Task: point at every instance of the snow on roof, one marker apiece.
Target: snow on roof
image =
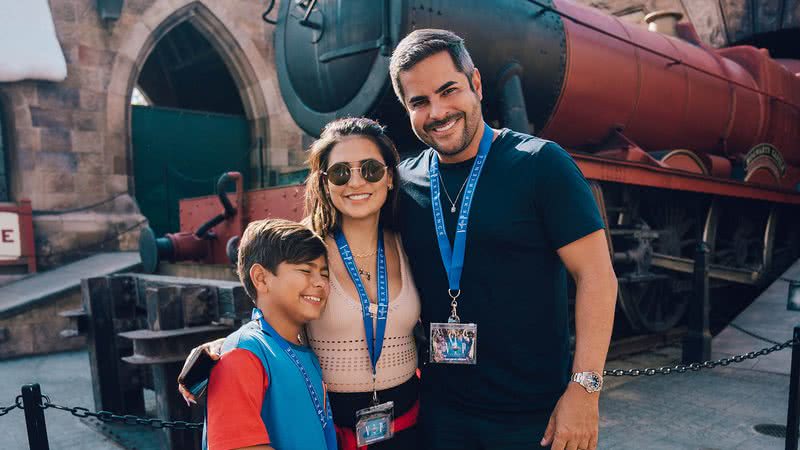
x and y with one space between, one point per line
29 48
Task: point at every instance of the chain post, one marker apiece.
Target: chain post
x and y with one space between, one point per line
697 343
34 417
793 414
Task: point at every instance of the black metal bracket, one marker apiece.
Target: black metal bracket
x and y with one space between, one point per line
512 98
34 417
793 413
697 344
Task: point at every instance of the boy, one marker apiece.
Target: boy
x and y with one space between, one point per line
266 391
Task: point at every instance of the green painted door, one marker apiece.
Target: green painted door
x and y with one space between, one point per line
179 154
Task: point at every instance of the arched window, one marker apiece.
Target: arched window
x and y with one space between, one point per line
188 124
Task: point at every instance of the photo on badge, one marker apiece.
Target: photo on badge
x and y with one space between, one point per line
453 343
374 424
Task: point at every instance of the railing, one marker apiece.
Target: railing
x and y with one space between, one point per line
33 403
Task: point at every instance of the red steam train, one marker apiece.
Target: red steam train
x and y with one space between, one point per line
681 142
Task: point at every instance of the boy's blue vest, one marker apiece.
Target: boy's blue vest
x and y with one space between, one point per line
287 412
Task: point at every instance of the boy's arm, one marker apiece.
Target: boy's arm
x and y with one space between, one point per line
235 395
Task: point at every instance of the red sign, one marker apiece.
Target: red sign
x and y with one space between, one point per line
10 247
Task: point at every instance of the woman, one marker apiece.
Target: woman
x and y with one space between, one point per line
350 201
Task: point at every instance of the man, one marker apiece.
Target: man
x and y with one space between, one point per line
489 258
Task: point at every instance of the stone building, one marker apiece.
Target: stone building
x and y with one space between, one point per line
69 145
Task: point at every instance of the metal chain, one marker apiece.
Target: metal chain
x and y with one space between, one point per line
7 409
694 367
106 416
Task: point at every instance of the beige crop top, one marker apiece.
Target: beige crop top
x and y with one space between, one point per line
339 340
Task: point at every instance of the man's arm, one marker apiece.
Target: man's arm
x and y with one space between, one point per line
589 263
575 420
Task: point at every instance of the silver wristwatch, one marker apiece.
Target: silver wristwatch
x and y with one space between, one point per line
591 381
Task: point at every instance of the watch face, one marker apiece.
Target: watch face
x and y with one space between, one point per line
593 382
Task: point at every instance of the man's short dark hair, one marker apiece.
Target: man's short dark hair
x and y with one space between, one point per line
270 242
420 44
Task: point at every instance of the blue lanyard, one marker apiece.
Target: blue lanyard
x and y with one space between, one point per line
323 412
454 259
383 296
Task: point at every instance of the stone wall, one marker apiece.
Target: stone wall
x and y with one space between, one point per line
718 23
69 142
38 330
634 10
704 15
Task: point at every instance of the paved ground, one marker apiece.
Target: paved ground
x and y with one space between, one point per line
706 410
66 379
768 317
710 409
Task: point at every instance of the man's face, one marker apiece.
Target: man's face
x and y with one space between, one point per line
445 113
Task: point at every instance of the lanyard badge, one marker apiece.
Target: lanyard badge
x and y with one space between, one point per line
455 342
322 407
373 424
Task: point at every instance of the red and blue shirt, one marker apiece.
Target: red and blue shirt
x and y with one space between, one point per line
256 395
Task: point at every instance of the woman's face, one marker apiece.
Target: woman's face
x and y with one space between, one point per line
358 198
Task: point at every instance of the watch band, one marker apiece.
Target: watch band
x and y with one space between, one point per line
591 381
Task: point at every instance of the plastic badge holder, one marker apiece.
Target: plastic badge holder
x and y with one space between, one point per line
454 343
375 424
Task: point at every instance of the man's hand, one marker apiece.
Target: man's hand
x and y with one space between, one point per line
213 349
575 421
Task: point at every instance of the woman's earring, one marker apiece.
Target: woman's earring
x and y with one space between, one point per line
390 187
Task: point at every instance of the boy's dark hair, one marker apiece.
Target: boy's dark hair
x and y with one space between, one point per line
422 43
320 214
270 242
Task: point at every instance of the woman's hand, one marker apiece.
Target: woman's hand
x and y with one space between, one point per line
213 349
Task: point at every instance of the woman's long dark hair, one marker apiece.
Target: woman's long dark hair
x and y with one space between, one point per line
320 214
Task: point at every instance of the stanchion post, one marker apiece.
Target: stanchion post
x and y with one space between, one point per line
793 414
697 344
34 417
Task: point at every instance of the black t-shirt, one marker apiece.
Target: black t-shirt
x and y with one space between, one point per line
531 199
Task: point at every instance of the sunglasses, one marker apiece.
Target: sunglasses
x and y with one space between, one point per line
371 171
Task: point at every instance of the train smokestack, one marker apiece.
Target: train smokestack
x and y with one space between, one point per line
663 21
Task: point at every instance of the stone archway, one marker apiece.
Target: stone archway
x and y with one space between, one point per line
254 77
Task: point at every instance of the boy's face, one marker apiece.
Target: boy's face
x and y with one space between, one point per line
299 291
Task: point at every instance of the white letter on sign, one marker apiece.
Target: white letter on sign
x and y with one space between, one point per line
10 245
